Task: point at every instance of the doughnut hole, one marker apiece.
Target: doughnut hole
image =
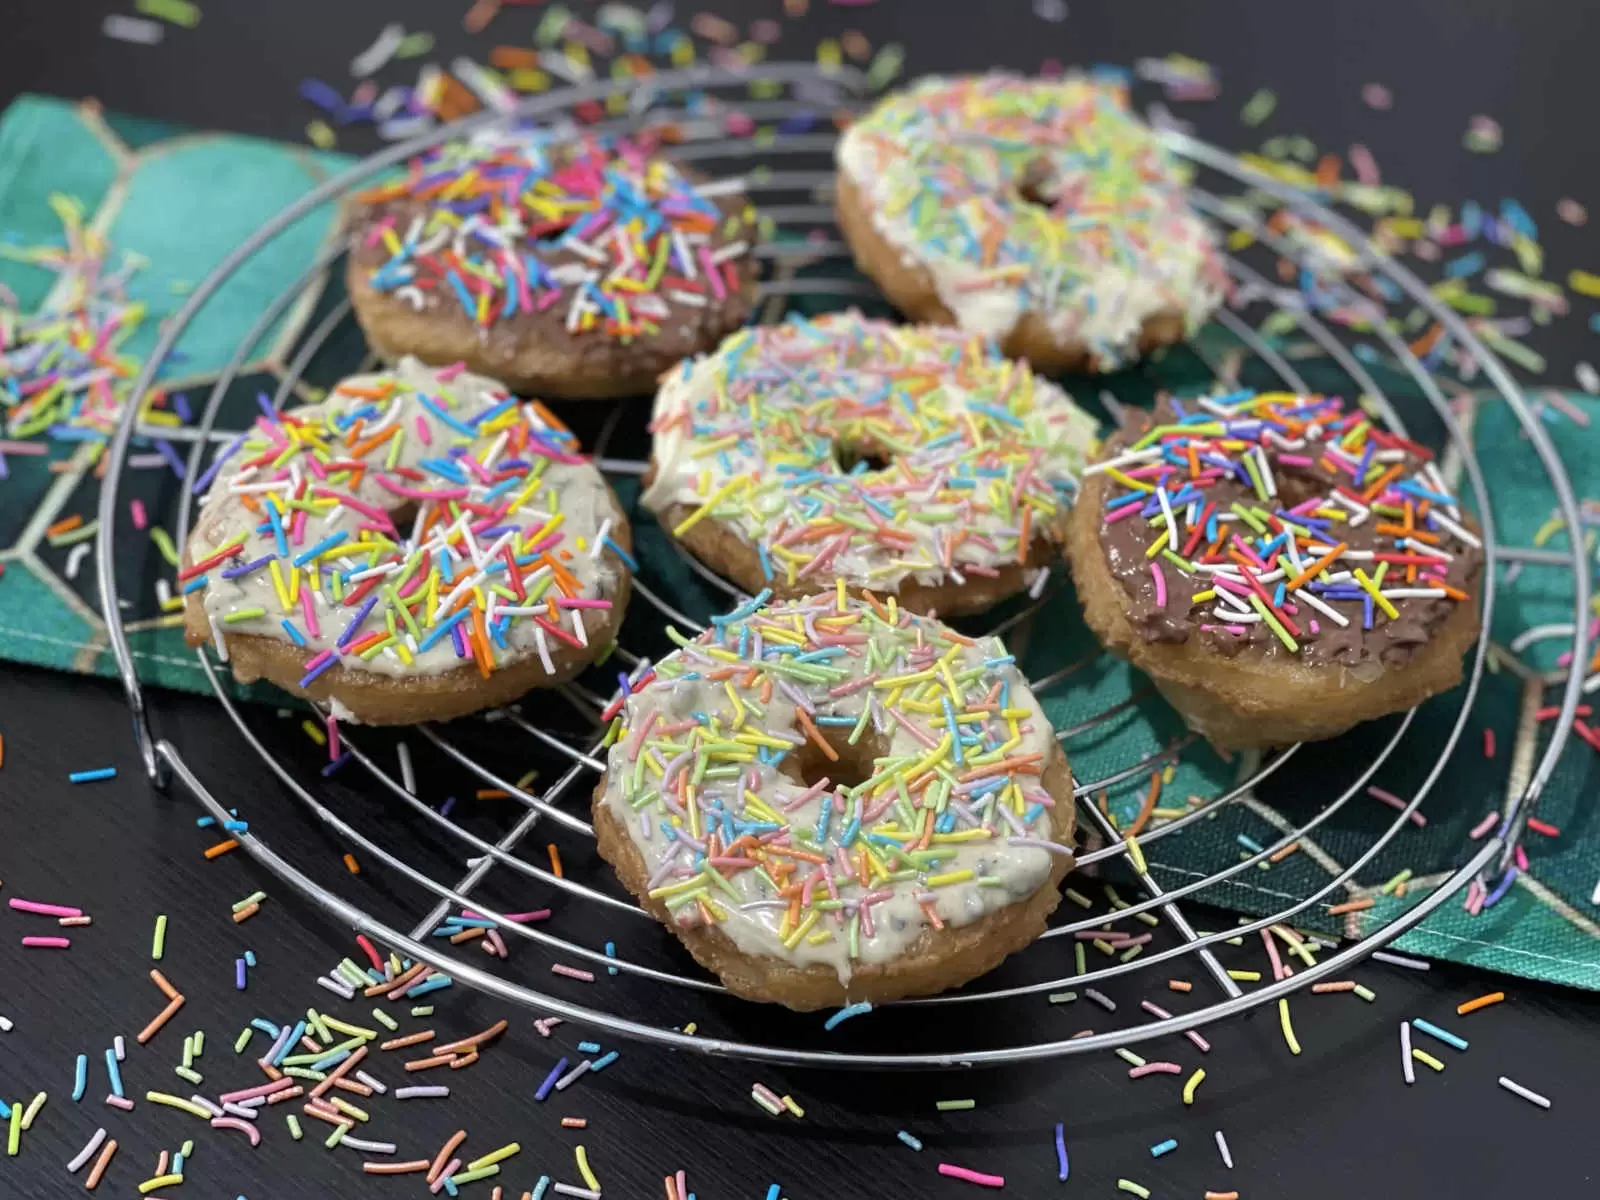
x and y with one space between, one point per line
1039 184
808 762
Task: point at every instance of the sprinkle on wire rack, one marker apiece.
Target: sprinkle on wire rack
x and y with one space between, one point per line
806 261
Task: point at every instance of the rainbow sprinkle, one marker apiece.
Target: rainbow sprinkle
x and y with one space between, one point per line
732 774
508 549
1290 523
775 435
1039 197
603 234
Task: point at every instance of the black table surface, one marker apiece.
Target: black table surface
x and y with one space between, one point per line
1336 1121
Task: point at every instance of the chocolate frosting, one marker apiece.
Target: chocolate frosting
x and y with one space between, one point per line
653 192
1310 471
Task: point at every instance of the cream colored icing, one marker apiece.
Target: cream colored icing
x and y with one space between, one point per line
719 723
1111 241
978 446
550 508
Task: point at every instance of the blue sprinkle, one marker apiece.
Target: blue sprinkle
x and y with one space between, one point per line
604 1061
1166 1147
1063 1168
845 1013
905 1137
1432 1030
81 1078
550 1080
93 776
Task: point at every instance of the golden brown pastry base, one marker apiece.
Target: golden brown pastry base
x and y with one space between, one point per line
725 552
586 366
1251 701
936 961
911 288
375 699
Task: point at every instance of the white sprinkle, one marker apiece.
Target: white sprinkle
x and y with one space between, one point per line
1406 1068
367 1147
1222 1149
132 29
566 1189
1101 999
571 1076
1400 960
375 1084
88 1151
239 1110
216 640
1595 899
1512 1085
408 773
1588 378
424 1092
6 1027
210 1106
118 1046
544 651
337 987
376 56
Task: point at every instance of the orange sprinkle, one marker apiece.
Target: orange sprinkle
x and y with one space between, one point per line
1315 568
1341 985
1179 985
222 848
574 1122
410 1039
161 1018
399 1168
161 981
350 864
815 735
1481 1002
1350 906
1148 806
245 913
1222 1196
100 1165
493 794
423 1064
65 525
555 860
1279 855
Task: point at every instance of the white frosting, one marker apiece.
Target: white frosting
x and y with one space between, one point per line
670 805
978 446
469 532
940 166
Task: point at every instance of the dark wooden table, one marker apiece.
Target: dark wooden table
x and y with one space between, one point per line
1334 1122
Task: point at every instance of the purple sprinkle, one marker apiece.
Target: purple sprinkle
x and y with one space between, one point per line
332 660
180 404
239 974
349 633
266 407
449 803
336 764
550 1080
204 481
171 455
235 572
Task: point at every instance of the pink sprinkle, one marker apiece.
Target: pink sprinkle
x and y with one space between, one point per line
333 734
47 943
1375 95
1483 826
1366 167
450 1168
571 972
1156 1068
1488 743
121 1102
955 1172
546 1024
310 613
140 518
423 431
1161 585
1521 857
446 374
1154 1009
1272 954
1543 827
1194 1036
44 910
1393 801
243 1127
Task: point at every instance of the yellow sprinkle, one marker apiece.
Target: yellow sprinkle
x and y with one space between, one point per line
950 877
1378 597
1584 283
1245 976
1422 1056
1135 855
582 1156
176 1102
499 1155
1288 1029
150 1185
1193 1082
717 497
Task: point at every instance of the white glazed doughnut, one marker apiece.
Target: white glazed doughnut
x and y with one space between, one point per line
419 545
831 800
1037 212
763 462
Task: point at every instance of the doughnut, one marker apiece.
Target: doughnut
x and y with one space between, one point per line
831 800
418 546
913 460
1281 566
579 268
1040 213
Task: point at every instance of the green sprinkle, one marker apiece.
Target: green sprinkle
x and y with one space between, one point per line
422 1010
1259 107
1128 1185
294 1126
243 614
193 1077
158 945
384 1019
1129 1056
1365 993
243 1039
1062 997
955 1105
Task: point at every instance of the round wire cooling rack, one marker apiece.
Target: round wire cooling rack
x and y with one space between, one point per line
377 812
